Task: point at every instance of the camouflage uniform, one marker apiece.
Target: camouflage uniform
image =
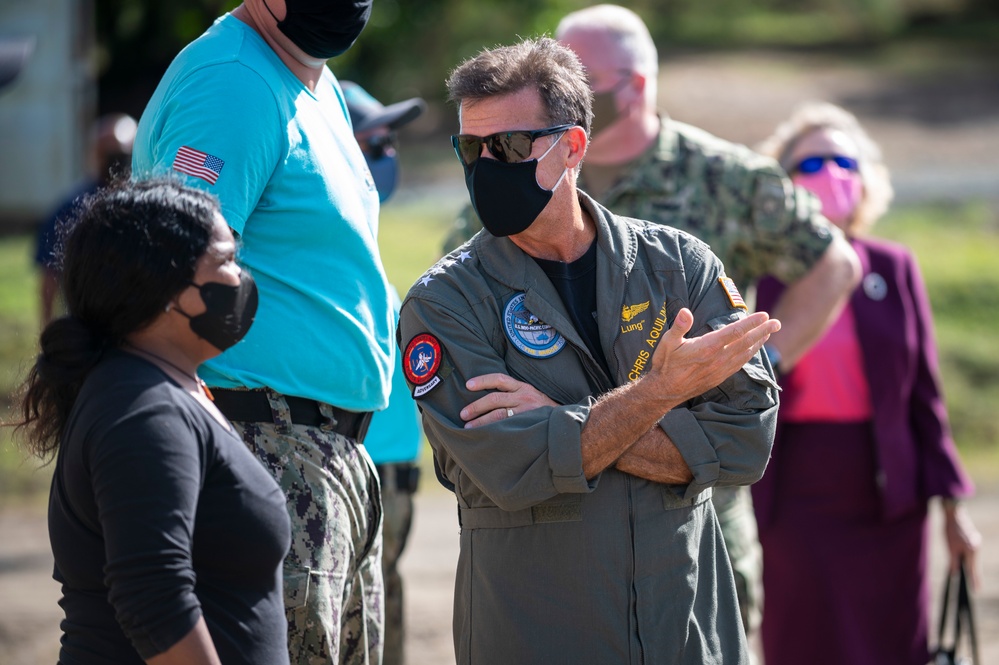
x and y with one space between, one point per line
397 519
744 206
332 492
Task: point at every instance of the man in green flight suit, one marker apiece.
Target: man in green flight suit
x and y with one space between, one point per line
581 428
642 164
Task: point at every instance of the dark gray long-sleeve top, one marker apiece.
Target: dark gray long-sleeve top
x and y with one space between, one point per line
158 516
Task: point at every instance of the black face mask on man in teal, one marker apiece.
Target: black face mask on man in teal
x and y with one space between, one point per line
323 28
507 197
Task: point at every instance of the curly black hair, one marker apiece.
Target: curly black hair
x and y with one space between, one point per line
133 247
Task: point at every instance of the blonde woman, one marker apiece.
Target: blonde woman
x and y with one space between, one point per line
863 442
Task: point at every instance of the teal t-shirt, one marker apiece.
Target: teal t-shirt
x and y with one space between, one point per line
235 121
394 434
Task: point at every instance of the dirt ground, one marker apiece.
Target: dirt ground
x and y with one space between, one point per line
29 615
939 128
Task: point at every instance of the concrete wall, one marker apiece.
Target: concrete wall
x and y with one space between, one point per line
46 113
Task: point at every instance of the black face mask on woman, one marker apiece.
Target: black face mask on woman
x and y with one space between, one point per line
323 28
507 197
229 311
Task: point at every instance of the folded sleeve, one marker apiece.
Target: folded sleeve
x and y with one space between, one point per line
724 435
517 462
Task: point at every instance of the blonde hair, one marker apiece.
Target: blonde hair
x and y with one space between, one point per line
814 116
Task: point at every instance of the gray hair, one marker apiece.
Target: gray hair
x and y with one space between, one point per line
624 27
813 116
541 63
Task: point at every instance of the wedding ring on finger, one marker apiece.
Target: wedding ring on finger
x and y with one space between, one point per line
509 413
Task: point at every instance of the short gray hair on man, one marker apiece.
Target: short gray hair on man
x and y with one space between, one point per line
541 63
628 31
814 116
623 26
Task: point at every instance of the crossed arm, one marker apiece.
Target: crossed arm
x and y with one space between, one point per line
622 427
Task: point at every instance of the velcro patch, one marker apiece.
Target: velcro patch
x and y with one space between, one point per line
421 363
734 297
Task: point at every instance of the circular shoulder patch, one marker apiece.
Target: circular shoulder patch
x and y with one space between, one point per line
529 334
422 359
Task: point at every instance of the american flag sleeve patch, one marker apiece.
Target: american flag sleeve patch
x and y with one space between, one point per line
198 164
732 292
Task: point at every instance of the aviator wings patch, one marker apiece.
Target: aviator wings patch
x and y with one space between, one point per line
628 312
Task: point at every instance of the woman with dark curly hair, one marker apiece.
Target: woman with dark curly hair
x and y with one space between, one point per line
863 441
168 535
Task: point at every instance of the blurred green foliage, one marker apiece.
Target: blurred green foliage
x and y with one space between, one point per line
957 248
409 46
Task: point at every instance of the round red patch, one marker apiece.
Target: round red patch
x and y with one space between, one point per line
422 359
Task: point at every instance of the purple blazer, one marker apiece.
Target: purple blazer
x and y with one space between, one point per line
916 455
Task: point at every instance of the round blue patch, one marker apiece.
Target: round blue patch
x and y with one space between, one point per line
532 336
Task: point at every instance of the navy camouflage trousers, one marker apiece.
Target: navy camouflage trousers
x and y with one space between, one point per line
333 590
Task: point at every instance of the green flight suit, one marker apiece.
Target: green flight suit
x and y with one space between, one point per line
744 206
555 568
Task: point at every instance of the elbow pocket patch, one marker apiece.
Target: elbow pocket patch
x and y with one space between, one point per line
758 373
755 368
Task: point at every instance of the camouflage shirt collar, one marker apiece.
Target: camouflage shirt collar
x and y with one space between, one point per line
663 150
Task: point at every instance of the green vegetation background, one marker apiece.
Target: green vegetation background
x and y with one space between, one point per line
956 245
137 39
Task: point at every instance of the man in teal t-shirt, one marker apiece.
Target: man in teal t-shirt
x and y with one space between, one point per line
250 112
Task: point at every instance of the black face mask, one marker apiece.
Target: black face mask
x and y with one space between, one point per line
507 197
229 311
324 28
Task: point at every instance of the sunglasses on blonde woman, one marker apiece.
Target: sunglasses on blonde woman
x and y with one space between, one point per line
814 163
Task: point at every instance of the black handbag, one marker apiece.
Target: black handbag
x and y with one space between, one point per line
964 619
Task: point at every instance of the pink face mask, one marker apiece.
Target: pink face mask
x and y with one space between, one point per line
838 189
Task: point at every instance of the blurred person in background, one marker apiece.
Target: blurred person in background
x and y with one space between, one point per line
376 129
167 533
863 441
394 437
641 163
114 135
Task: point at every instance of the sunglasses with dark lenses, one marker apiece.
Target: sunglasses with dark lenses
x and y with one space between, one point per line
814 163
509 147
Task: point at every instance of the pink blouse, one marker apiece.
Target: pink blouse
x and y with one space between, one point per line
829 381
